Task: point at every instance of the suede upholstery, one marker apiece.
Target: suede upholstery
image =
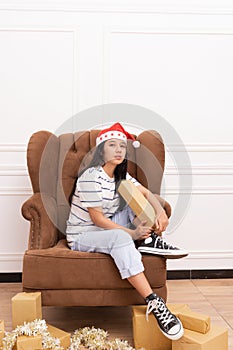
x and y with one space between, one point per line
65 277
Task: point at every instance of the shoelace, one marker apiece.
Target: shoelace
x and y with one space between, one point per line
162 243
163 314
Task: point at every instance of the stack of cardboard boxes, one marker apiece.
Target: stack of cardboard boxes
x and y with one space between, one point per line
199 333
26 307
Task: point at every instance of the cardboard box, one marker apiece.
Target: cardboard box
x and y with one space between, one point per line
63 336
137 202
147 334
2 331
2 325
26 307
194 321
28 343
215 339
177 309
2 334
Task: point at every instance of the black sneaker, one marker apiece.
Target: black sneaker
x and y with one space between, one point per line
168 323
156 245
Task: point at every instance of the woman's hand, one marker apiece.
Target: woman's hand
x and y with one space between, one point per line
142 231
161 222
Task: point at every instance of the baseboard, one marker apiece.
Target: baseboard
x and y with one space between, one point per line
10 277
16 277
198 274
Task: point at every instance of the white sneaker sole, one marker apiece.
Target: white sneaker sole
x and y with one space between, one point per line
172 254
175 336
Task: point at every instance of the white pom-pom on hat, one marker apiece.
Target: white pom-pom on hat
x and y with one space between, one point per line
136 144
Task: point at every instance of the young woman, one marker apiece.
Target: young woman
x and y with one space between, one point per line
100 221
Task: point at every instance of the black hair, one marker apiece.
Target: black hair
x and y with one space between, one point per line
97 160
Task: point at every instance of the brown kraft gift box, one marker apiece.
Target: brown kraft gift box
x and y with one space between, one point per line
63 336
137 202
147 334
2 331
28 343
26 307
194 321
215 339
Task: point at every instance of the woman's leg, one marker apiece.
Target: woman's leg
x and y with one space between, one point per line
141 284
153 244
169 324
124 217
127 258
117 243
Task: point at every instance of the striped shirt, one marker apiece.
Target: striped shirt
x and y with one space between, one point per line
94 189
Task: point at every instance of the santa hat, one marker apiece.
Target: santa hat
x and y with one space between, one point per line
116 131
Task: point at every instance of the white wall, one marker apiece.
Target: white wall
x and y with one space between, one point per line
61 57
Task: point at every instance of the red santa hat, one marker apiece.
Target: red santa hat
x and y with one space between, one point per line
116 131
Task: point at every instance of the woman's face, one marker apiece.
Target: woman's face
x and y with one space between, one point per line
114 151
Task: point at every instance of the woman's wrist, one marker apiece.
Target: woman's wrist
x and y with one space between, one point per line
160 211
130 232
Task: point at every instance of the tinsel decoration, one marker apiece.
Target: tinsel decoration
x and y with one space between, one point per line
88 337
36 327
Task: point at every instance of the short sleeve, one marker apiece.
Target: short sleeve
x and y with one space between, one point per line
89 189
134 181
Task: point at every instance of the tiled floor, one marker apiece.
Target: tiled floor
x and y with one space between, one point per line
212 297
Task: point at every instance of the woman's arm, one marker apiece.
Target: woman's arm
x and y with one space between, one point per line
97 217
161 220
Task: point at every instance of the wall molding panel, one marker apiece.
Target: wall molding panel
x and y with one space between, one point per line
181 7
206 148
15 191
219 175
200 170
11 257
11 262
198 191
20 170
196 260
58 47
27 191
14 147
63 57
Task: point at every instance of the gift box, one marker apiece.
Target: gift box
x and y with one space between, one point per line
215 339
26 307
137 202
63 336
28 343
2 331
147 334
194 321
177 309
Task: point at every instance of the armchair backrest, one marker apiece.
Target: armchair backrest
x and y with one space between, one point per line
54 162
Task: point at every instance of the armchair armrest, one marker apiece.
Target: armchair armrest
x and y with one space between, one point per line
166 206
43 231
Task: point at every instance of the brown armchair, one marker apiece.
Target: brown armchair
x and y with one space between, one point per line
71 278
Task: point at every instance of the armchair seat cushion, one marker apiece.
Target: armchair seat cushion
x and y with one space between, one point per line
61 268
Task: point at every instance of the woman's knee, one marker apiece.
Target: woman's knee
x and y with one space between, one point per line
121 238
